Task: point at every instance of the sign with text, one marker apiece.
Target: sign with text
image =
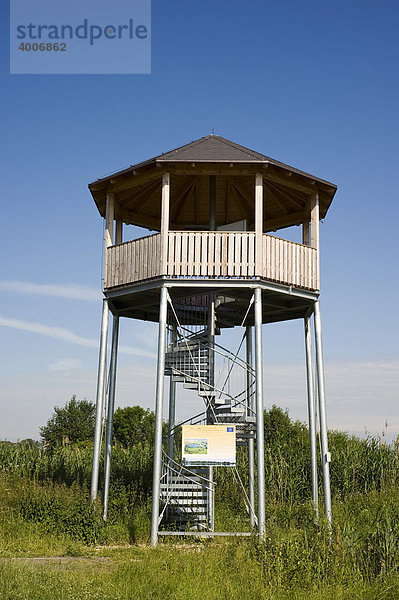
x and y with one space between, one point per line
209 445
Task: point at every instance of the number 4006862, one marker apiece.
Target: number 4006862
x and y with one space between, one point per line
42 47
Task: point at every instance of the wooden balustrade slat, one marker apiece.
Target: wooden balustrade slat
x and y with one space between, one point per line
244 256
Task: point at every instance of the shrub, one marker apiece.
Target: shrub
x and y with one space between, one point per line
61 509
72 423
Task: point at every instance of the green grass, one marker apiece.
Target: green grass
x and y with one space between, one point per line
45 512
225 570
297 560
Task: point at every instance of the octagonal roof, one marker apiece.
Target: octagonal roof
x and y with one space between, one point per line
137 189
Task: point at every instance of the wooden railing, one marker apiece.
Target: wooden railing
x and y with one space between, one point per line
288 262
133 261
212 254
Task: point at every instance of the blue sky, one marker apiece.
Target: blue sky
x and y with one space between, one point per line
313 84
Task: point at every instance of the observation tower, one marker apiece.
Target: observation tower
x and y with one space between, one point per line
212 263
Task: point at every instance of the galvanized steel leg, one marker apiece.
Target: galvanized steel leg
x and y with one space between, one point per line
158 417
325 458
311 414
110 413
102 367
260 443
172 406
211 500
171 421
251 441
211 343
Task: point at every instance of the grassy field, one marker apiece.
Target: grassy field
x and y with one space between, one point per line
52 545
212 572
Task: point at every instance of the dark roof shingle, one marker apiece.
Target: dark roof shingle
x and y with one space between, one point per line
212 148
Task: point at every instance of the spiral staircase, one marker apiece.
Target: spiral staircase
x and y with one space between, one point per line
192 359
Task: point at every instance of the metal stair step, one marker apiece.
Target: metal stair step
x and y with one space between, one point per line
226 409
226 420
195 373
192 483
181 488
187 502
190 519
183 492
218 402
244 435
190 479
239 417
188 509
194 516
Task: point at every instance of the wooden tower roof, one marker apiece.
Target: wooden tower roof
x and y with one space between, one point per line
137 189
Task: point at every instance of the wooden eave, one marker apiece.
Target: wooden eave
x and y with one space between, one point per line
137 192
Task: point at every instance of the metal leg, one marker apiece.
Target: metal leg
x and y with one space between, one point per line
171 421
172 406
110 413
260 444
211 500
102 366
211 342
158 417
251 441
325 459
311 414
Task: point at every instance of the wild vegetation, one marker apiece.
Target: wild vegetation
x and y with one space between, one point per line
45 511
72 423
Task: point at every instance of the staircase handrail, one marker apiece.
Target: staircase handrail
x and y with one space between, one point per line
211 387
166 461
218 349
180 423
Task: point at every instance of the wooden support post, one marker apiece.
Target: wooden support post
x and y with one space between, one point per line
314 231
109 231
118 232
212 203
109 220
306 231
258 224
165 222
314 218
